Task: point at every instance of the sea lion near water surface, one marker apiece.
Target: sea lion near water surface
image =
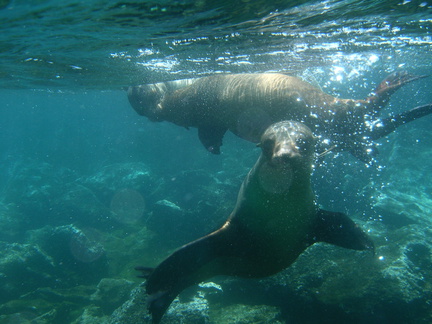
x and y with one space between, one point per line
275 219
246 104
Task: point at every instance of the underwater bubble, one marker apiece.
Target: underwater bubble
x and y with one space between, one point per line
127 206
86 247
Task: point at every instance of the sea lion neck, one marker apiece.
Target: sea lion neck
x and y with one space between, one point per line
280 180
286 158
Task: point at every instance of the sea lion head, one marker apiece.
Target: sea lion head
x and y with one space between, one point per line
288 142
287 156
146 99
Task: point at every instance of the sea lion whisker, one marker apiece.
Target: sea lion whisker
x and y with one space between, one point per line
327 151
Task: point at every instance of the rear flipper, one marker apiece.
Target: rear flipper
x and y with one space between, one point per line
338 229
386 126
183 268
365 152
389 86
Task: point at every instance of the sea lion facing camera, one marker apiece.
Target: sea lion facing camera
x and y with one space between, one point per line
246 104
275 219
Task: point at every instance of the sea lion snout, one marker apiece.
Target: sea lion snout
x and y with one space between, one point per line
284 153
146 100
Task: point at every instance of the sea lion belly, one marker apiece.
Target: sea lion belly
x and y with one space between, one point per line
283 212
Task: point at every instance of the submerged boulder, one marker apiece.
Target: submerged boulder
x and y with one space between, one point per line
92 314
29 317
244 314
191 306
33 188
79 256
111 294
11 227
195 203
79 205
115 177
42 194
24 268
134 310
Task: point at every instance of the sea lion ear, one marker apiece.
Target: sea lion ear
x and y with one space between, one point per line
338 229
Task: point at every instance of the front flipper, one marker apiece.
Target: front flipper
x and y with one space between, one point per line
386 126
211 137
389 86
338 229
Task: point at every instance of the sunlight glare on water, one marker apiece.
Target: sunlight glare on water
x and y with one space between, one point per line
117 44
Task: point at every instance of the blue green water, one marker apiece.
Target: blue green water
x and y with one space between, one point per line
89 189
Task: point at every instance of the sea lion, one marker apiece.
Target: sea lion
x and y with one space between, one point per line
275 219
246 104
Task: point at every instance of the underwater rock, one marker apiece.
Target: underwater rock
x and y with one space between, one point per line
169 205
32 189
42 195
188 188
79 205
23 268
111 294
92 314
195 204
397 208
11 228
405 191
29 317
79 256
41 302
167 217
134 310
191 310
176 226
116 177
195 310
245 314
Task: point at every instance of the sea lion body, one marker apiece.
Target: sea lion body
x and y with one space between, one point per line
275 219
246 104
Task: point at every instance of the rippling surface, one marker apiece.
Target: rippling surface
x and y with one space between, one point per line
97 44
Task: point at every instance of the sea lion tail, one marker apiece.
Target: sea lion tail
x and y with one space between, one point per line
383 127
365 152
387 87
158 303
